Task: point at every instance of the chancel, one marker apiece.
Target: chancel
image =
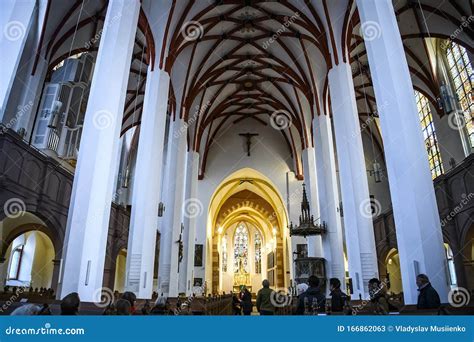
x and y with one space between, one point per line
155 152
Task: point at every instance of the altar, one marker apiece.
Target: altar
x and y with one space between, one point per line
241 278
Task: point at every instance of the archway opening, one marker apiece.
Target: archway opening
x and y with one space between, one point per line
394 275
247 234
120 269
28 252
29 261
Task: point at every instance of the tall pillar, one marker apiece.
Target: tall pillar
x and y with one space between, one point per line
417 222
55 277
192 210
89 210
359 231
146 186
174 194
315 244
329 197
16 18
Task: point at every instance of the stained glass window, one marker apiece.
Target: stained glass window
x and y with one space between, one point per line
450 260
258 253
460 69
429 134
241 245
224 254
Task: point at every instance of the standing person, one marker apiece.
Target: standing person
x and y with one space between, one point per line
378 297
236 305
338 298
428 297
132 299
70 304
313 296
246 301
264 302
122 307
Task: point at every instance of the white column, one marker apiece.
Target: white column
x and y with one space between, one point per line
360 242
315 244
16 18
174 193
192 210
419 236
89 211
329 197
146 186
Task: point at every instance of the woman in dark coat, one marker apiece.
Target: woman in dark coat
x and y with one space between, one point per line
236 305
246 301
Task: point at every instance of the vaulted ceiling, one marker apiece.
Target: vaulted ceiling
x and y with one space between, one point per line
261 61
267 61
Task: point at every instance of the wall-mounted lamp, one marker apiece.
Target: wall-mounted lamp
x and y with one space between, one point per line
161 209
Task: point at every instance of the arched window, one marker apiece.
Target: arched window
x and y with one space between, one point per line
461 73
15 263
224 254
241 246
450 260
429 134
258 253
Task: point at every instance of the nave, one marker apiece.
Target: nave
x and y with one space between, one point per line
172 157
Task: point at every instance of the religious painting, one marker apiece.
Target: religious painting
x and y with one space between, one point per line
197 282
302 250
198 253
271 260
271 277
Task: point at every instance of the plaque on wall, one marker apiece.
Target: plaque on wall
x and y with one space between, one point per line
198 251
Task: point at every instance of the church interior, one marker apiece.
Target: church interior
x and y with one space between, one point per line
184 152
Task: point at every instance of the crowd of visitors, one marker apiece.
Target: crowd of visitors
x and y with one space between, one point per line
311 300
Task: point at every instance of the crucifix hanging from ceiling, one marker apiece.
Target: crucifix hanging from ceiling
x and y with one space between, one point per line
248 140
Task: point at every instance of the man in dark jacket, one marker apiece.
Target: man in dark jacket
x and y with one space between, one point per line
338 298
313 297
264 299
428 297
